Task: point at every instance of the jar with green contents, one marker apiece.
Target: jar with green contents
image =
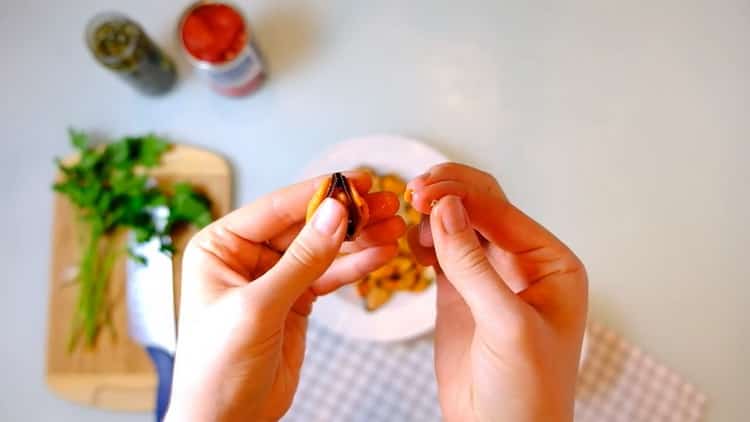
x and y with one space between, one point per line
121 45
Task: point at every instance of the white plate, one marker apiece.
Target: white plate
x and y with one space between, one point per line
406 315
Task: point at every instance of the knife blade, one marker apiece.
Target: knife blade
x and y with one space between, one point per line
150 307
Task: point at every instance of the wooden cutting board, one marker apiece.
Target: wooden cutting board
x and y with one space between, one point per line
118 374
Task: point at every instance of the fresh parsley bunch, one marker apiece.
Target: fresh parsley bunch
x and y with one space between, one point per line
110 186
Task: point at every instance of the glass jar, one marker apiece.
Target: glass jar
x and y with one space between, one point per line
120 44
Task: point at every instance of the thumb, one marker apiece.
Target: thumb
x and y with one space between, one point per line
308 256
465 264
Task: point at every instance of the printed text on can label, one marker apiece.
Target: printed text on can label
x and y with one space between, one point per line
247 67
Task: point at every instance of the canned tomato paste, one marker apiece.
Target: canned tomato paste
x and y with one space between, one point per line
217 40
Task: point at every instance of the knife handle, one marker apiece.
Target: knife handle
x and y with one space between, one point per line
163 362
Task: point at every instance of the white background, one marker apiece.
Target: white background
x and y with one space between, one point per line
622 126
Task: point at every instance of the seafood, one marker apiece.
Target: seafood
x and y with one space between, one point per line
338 187
402 273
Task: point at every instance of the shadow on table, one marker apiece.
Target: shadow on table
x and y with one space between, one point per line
285 36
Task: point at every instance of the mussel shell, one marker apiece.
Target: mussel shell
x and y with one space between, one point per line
338 187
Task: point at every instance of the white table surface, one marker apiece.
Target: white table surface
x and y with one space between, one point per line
622 126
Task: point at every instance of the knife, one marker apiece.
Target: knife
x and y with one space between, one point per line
150 307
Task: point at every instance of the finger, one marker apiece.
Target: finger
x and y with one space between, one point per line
386 231
306 259
268 258
452 323
382 205
423 255
282 241
304 304
462 258
441 172
425 233
273 214
449 171
522 251
425 198
249 260
514 271
509 228
564 296
452 311
448 296
422 246
489 210
350 268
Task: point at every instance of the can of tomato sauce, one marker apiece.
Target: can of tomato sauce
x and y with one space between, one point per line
217 40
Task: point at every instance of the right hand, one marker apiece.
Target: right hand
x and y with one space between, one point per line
511 307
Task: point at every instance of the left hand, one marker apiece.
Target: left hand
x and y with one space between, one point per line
249 283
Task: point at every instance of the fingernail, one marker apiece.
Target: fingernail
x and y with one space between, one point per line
328 217
425 233
452 214
408 195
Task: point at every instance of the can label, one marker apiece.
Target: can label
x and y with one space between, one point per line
245 68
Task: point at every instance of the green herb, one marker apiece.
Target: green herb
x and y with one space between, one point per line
110 187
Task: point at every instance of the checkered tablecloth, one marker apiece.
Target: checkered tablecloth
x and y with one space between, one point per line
619 382
352 380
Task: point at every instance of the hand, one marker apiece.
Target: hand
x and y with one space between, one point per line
249 282
511 304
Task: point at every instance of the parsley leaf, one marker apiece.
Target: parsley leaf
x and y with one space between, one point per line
110 187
